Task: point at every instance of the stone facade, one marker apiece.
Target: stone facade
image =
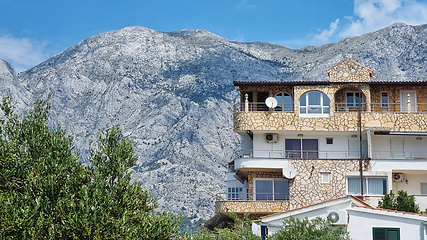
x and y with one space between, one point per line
255 207
349 71
341 121
307 188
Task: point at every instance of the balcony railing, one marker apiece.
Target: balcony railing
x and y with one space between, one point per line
399 155
339 107
252 196
300 154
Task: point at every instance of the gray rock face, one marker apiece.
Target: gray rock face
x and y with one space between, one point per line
173 93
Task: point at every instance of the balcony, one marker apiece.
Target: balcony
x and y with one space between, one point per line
278 158
266 203
339 107
342 117
242 155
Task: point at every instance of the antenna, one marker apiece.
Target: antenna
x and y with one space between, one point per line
271 102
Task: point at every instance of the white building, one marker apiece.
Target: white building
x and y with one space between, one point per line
362 222
307 150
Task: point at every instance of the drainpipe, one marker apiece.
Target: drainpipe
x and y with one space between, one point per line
360 140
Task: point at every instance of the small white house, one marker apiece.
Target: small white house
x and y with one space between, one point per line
362 221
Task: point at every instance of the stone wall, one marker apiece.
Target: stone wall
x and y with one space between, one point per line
306 187
258 207
341 121
349 71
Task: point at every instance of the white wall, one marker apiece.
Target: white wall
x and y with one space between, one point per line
412 147
361 225
398 164
361 221
338 149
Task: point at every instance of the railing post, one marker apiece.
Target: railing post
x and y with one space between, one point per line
409 103
246 103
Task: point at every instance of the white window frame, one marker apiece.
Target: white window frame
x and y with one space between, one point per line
366 186
323 108
329 138
327 175
384 104
234 193
283 103
303 152
269 179
354 104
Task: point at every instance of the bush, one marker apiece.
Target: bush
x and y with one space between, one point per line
401 202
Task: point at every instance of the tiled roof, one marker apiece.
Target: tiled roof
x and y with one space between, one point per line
395 211
302 82
363 205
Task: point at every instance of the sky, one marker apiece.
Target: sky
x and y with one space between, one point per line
32 31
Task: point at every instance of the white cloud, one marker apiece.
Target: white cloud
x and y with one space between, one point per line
323 37
244 4
240 37
22 53
371 15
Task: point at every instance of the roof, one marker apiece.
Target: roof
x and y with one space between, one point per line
394 211
371 73
324 82
277 83
360 206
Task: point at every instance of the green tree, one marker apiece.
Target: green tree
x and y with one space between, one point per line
240 229
305 229
47 193
401 202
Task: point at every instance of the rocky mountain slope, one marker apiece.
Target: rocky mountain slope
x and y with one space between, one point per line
172 92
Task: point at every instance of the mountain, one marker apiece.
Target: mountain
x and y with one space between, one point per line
173 92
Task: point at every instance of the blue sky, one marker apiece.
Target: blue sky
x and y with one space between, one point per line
32 31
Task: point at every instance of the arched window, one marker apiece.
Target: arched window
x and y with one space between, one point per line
314 104
284 102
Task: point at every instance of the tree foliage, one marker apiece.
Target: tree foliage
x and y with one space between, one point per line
305 229
240 229
46 192
401 202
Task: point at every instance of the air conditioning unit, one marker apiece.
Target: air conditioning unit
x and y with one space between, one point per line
271 137
397 177
338 217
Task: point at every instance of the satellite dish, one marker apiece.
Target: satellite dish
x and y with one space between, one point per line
271 102
289 172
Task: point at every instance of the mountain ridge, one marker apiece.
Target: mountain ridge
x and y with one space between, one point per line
173 92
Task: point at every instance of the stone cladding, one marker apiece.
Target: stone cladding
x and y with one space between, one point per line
257 207
306 188
341 121
349 71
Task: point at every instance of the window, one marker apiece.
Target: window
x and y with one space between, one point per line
384 99
284 102
314 104
301 148
235 193
325 177
353 99
271 189
371 185
423 188
386 233
329 140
